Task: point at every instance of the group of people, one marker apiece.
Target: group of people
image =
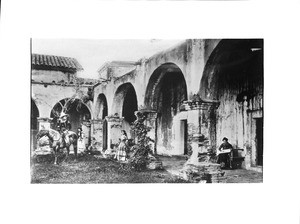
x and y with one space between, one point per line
64 126
223 151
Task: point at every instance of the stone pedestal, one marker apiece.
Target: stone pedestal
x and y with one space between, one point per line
114 127
201 135
203 172
44 123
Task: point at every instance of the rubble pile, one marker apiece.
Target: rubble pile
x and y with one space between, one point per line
154 163
203 172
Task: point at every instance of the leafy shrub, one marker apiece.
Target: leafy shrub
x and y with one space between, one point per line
142 149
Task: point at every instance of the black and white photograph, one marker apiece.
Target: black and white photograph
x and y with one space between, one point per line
147 111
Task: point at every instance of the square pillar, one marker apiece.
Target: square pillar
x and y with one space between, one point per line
86 129
193 125
208 122
201 123
114 127
44 123
97 132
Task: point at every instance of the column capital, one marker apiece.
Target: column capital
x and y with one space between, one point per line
96 121
44 119
199 104
114 118
44 122
86 123
150 114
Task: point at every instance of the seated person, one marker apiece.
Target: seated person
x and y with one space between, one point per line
224 153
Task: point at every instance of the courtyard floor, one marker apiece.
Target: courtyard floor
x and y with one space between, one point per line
175 163
89 169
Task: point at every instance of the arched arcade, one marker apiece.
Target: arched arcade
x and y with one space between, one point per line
165 93
233 76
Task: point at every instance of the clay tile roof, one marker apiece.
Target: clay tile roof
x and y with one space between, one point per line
57 63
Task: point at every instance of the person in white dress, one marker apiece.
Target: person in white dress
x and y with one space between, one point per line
80 141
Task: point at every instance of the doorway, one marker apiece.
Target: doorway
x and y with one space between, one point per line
104 146
183 136
259 141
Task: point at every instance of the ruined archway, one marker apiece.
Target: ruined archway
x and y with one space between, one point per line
78 112
165 93
233 75
125 104
101 107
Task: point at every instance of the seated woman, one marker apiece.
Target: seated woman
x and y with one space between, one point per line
224 153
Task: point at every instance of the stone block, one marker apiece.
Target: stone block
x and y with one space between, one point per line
208 172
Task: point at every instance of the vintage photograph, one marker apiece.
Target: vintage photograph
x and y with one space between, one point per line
147 111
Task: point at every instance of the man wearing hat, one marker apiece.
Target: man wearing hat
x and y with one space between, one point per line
63 121
224 153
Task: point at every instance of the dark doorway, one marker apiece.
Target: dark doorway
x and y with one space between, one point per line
259 141
104 134
184 135
34 124
34 116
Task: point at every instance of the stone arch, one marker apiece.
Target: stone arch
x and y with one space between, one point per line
154 85
165 92
230 65
233 75
125 104
78 111
101 109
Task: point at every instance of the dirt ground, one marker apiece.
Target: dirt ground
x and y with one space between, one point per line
89 169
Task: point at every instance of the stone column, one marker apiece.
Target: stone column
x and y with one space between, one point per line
114 127
97 132
151 118
193 114
201 122
247 151
86 129
44 123
208 121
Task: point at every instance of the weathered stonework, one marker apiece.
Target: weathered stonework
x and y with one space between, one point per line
203 173
44 122
192 89
200 121
114 126
97 132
